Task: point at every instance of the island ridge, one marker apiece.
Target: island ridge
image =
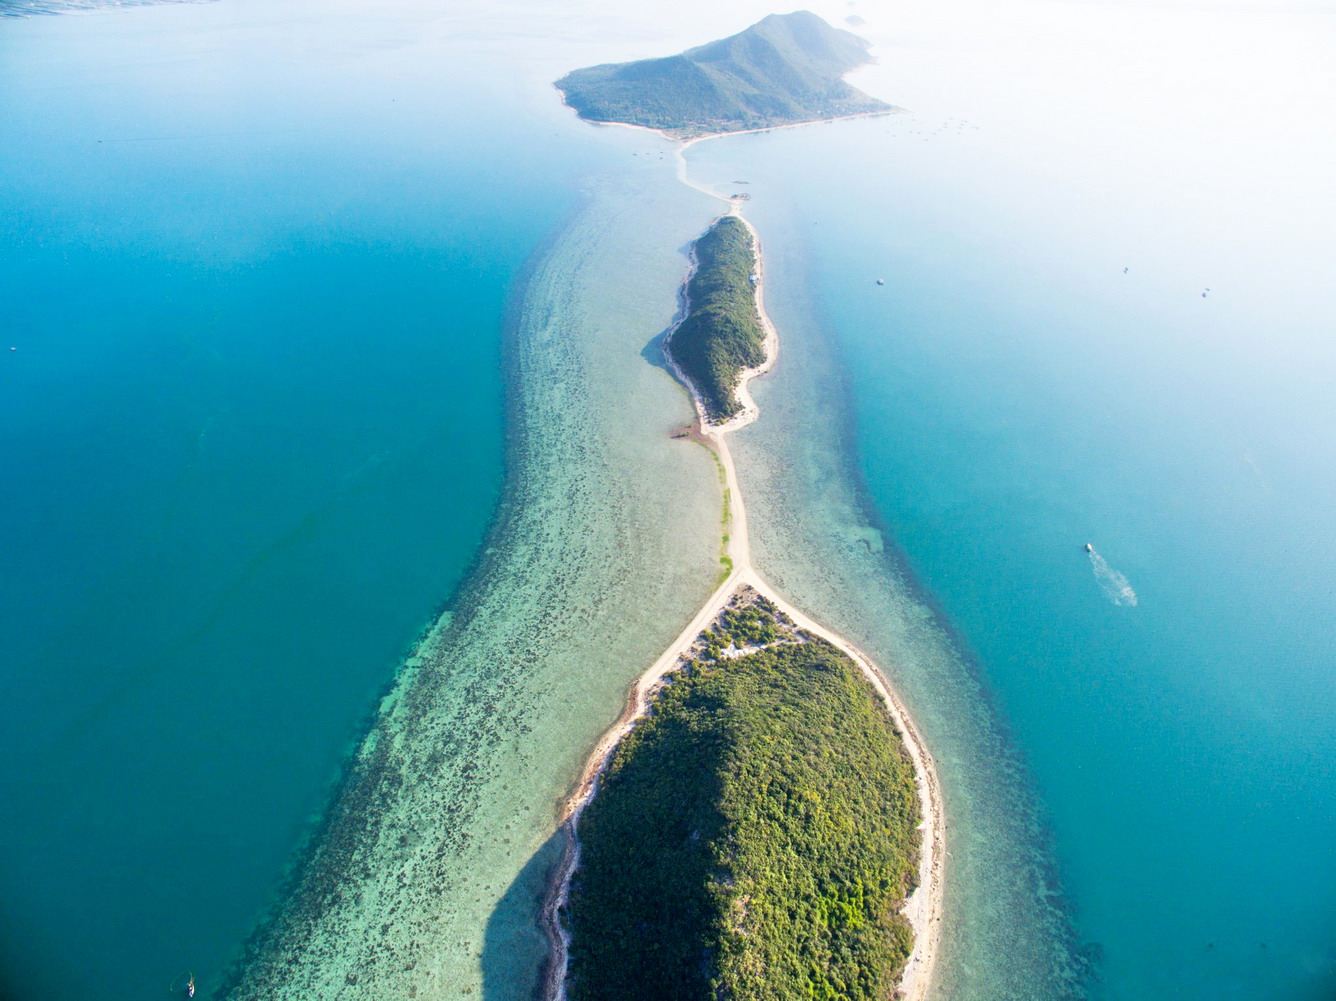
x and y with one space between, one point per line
784 70
756 833
764 820
721 335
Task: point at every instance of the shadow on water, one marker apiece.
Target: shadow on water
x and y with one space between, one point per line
653 353
514 948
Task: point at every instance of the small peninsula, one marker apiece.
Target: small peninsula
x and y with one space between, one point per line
755 835
784 70
720 335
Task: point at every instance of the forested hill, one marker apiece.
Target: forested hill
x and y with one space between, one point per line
754 837
721 334
785 69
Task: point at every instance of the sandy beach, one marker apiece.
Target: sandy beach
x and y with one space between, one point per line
924 907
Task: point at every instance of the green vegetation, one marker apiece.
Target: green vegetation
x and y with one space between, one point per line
721 333
755 835
726 562
785 69
725 515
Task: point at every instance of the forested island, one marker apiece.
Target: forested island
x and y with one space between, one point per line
783 70
721 333
754 836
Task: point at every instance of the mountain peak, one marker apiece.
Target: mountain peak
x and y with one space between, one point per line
784 70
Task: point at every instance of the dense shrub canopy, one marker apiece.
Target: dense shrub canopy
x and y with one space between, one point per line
754 837
721 333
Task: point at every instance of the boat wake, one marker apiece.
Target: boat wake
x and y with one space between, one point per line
1115 586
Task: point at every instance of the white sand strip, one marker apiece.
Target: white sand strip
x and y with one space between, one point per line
923 909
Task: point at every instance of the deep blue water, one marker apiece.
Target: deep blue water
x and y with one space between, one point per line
256 266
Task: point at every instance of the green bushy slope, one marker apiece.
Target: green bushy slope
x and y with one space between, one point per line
721 333
785 69
754 836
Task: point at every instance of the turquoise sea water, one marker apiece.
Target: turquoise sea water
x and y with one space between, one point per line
256 267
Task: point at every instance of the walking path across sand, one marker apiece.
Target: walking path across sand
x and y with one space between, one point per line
924 906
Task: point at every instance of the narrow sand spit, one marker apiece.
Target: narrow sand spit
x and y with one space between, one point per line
924 906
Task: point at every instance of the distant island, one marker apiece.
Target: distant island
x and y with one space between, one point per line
720 334
755 835
784 70
763 820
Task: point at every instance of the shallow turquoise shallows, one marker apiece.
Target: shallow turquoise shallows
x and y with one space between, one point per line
256 270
